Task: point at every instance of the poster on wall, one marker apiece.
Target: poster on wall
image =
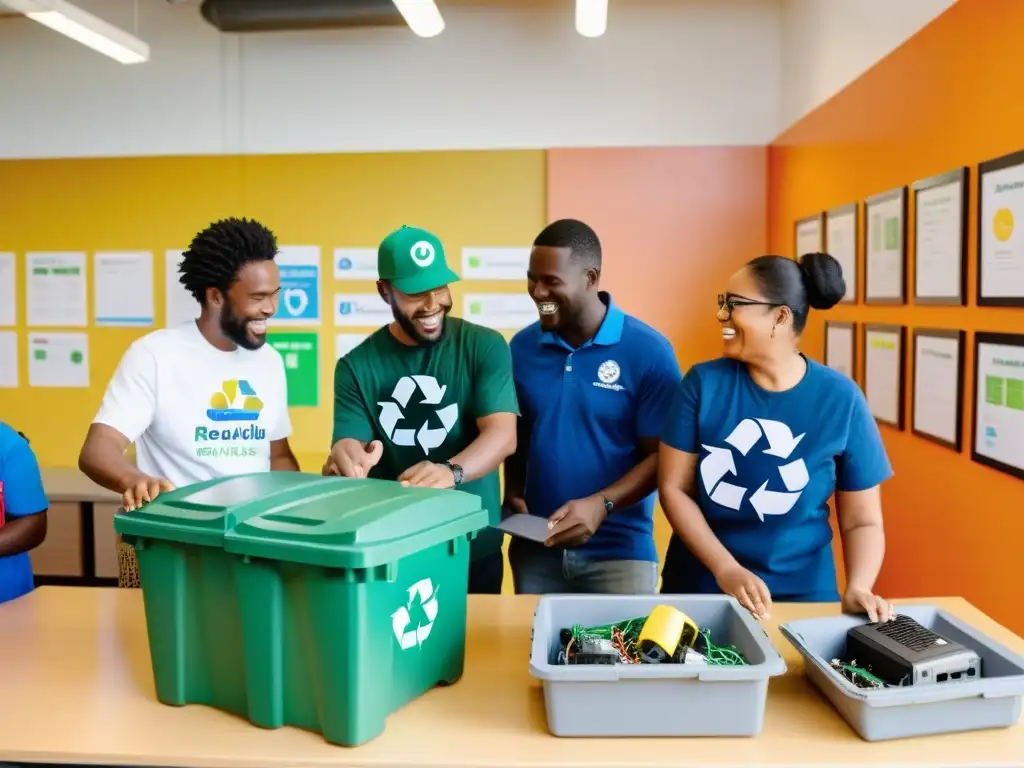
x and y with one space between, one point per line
355 264
999 402
841 243
8 360
180 306
361 310
500 311
480 263
840 347
298 301
300 352
1000 240
346 342
938 388
940 240
58 360
8 290
56 289
885 264
123 288
883 372
809 236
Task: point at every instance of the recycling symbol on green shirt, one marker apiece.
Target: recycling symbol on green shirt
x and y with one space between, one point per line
426 435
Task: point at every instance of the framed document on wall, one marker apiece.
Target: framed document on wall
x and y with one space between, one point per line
884 369
809 235
885 260
841 347
841 227
1001 231
940 241
937 392
999 402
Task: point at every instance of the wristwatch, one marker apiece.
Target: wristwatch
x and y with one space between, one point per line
456 473
608 506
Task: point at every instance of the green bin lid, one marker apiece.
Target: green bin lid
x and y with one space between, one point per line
355 523
203 512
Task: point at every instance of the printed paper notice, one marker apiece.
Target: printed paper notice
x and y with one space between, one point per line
299 300
839 348
123 292
58 360
355 264
999 426
56 289
936 380
8 359
1002 241
301 355
841 243
501 311
939 246
808 236
346 342
885 249
361 310
882 374
180 306
495 263
8 290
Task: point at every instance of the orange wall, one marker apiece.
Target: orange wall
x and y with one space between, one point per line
674 224
948 97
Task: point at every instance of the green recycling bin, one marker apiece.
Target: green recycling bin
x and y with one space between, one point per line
295 599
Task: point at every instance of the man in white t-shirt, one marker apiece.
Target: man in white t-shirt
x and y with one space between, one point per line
204 399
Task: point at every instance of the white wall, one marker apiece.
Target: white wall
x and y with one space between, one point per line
827 44
667 72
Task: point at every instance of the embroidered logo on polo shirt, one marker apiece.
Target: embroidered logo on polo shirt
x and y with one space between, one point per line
608 376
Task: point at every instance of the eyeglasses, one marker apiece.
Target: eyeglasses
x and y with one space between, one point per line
729 302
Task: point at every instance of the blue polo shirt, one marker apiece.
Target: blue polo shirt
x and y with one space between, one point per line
23 495
584 411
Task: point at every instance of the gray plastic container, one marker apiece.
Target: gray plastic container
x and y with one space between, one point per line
653 699
991 701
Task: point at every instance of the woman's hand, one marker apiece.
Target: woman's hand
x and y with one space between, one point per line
751 591
859 600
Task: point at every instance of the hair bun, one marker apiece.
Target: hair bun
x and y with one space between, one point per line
823 280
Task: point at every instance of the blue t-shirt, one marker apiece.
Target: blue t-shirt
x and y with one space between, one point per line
23 495
768 464
584 413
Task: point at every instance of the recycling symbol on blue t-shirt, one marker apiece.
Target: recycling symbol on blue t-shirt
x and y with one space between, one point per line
719 462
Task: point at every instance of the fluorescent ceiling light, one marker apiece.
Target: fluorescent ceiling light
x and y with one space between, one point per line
70 20
591 17
422 16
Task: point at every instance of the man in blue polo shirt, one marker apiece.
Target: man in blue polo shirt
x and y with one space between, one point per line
594 387
23 506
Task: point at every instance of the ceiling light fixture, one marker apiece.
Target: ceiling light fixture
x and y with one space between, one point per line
422 16
591 17
71 21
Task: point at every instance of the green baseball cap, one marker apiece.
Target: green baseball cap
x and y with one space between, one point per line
413 261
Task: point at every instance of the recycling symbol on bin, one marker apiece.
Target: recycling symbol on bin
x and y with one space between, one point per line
408 633
426 435
720 462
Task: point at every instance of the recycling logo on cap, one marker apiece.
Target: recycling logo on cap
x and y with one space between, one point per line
427 437
720 461
408 634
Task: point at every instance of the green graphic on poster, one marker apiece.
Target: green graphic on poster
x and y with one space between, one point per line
301 355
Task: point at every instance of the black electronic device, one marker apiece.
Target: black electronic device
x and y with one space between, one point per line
904 652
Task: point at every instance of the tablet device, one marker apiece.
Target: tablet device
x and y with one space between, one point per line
526 526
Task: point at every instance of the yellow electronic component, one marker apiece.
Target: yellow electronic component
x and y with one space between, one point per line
666 630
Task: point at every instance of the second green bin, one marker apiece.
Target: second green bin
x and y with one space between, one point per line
323 603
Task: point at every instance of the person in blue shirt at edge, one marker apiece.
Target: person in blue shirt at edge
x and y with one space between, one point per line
594 387
758 441
24 505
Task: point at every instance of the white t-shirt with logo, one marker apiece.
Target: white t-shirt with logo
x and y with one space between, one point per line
196 412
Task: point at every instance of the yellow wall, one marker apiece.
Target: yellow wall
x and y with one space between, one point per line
155 204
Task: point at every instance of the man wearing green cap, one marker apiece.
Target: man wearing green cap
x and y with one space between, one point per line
428 400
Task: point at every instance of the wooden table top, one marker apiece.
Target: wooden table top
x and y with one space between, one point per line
77 688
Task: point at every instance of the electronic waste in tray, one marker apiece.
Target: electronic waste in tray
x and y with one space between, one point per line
923 673
658 661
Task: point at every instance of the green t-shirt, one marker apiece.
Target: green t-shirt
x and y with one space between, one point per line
423 403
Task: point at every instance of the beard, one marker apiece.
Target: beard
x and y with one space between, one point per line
236 329
414 333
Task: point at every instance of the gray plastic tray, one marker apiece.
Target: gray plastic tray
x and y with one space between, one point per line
991 701
653 699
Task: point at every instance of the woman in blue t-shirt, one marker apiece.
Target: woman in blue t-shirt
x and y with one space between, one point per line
24 506
758 441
